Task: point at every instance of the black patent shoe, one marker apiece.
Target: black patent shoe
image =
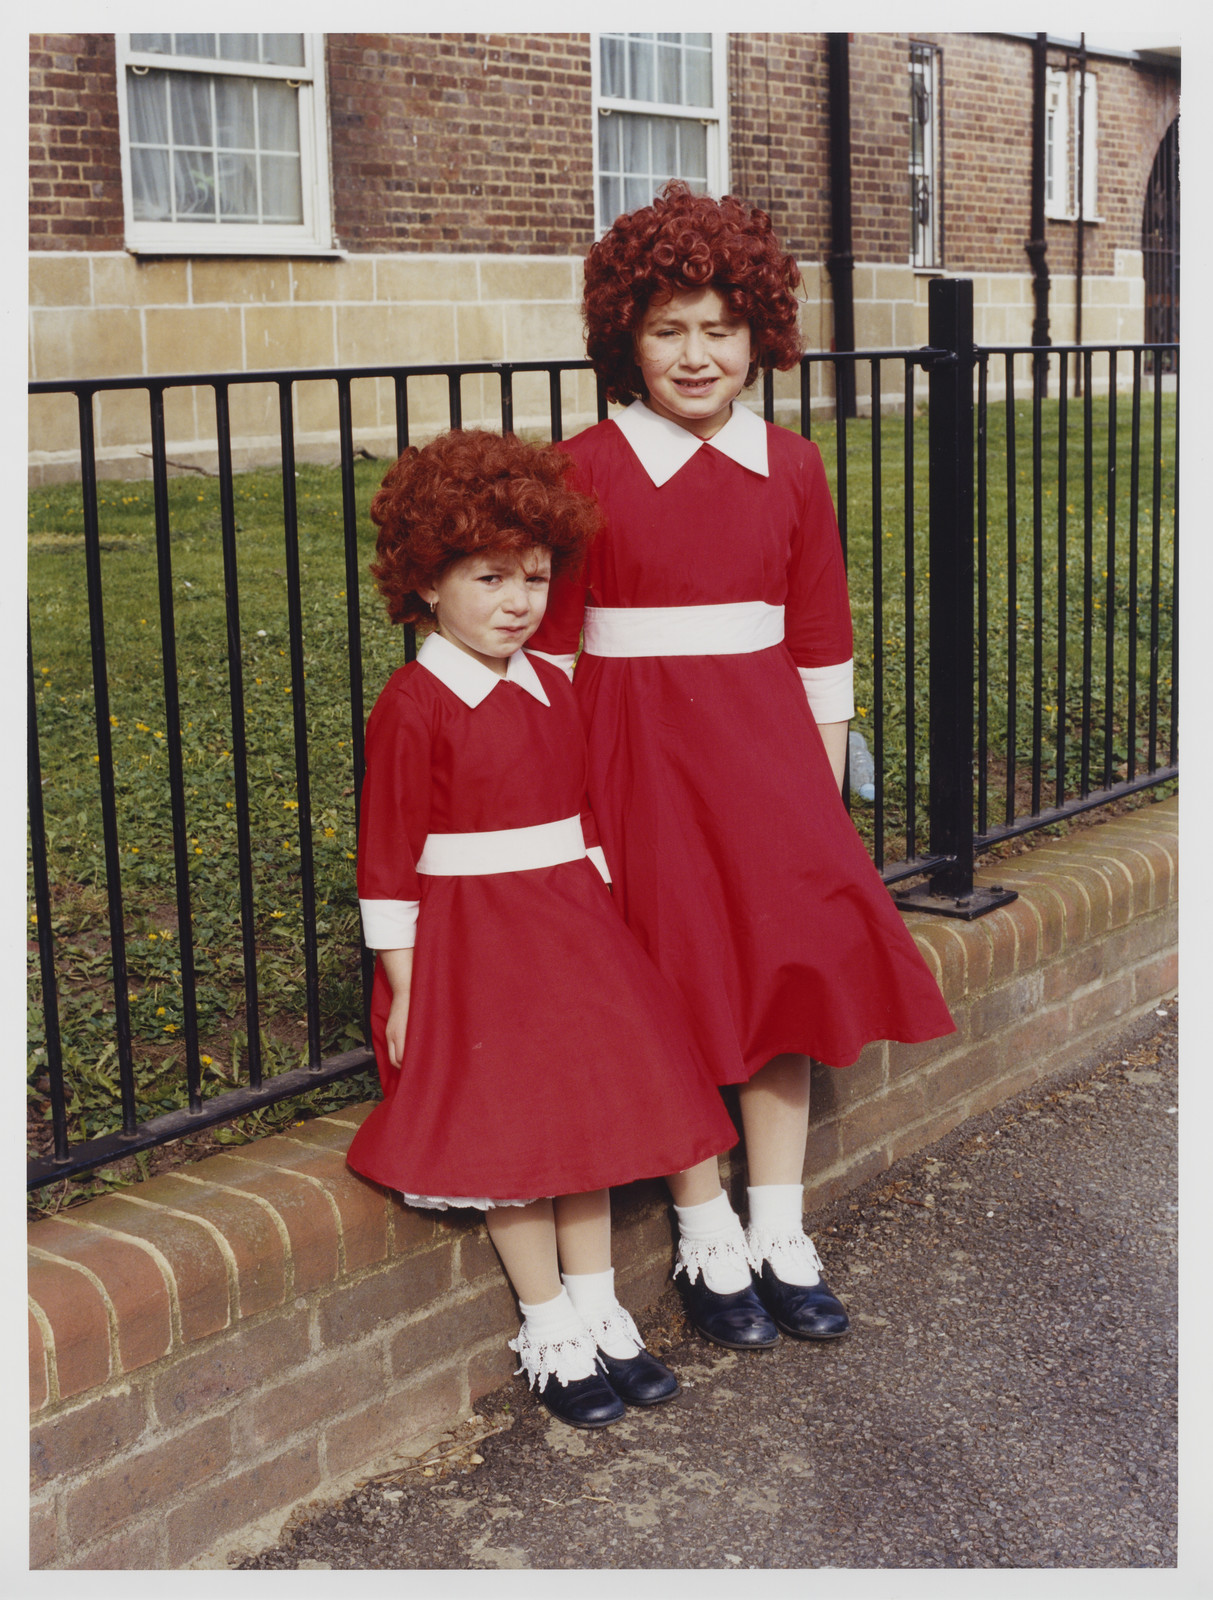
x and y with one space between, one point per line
583 1402
640 1380
738 1321
812 1312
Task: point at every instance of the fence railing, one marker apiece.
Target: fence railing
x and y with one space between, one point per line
1012 559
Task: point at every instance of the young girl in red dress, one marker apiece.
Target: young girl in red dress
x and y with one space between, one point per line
530 1055
715 685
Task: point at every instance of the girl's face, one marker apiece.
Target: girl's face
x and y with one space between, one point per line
489 606
694 356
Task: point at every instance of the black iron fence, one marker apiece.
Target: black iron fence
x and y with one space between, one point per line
1012 552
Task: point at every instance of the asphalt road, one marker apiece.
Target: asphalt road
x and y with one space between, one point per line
1006 1398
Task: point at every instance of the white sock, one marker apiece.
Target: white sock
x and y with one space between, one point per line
554 1342
711 1242
593 1297
776 1233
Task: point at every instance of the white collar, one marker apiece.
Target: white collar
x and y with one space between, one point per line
663 448
470 679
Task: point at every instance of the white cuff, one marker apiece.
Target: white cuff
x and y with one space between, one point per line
595 853
565 663
389 924
830 691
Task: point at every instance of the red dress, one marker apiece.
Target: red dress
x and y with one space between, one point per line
733 857
544 1054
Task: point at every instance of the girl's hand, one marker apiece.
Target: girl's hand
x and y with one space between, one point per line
398 967
834 737
397 1027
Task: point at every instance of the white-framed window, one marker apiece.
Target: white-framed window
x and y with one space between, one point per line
224 143
926 188
1064 109
660 112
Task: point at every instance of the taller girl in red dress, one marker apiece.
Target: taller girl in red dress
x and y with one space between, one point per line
715 685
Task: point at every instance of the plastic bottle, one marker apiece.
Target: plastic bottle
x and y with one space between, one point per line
861 766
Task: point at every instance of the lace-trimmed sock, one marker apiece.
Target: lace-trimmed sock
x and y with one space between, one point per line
554 1342
593 1297
711 1242
776 1234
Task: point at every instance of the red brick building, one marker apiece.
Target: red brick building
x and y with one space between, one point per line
243 201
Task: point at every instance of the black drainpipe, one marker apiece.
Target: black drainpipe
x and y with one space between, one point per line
1080 226
841 261
1037 244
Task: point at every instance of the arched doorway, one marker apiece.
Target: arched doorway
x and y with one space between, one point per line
1160 246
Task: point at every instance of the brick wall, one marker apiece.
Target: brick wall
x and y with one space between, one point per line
223 1343
779 134
462 142
75 173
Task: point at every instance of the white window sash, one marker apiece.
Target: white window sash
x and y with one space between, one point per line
1063 88
1057 143
715 119
314 235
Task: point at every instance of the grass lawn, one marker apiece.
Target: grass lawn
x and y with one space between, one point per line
878 544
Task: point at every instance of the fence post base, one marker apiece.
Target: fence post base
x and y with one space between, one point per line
976 903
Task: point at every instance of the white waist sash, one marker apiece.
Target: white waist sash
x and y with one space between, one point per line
458 855
728 630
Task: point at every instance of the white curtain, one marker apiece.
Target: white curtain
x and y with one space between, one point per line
210 148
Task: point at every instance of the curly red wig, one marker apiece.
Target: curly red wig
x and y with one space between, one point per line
682 242
473 493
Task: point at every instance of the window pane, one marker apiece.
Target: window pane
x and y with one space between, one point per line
194 185
240 46
613 67
191 101
642 73
648 150
669 75
277 117
665 147
698 68
148 104
152 198
609 159
282 49
235 114
194 44
698 41
610 203
636 144
238 187
281 189
693 154
637 192
160 44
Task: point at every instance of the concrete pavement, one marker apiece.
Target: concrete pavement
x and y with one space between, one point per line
1006 1398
